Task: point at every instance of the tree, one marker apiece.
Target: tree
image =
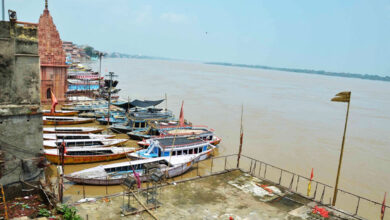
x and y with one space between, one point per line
89 51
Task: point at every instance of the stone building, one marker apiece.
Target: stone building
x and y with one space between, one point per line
53 67
20 112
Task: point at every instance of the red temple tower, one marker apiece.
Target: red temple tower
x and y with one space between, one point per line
52 56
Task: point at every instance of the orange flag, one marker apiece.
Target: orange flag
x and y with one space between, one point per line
181 118
54 102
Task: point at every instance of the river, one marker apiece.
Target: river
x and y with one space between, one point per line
289 120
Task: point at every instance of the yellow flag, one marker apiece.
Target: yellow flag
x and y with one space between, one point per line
311 178
309 188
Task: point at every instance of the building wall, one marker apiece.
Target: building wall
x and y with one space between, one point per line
52 57
20 114
55 79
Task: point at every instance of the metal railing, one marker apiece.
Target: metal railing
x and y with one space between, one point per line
348 203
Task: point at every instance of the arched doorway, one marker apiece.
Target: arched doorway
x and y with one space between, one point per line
48 93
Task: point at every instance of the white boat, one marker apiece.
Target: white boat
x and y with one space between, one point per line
167 147
114 174
70 136
84 143
77 155
56 120
59 113
73 130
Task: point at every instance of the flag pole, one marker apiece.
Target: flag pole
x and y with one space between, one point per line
241 138
341 152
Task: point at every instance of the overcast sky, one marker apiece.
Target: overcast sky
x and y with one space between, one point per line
333 35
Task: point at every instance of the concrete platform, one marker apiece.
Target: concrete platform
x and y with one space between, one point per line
230 195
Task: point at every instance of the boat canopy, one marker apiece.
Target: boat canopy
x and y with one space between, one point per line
139 103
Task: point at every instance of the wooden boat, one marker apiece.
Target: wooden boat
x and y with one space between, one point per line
59 113
76 155
73 130
214 140
140 120
91 143
114 174
166 131
60 136
117 119
54 120
166 147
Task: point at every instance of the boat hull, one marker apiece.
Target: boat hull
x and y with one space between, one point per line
68 113
172 172
85 159
76 132
106 145
75 122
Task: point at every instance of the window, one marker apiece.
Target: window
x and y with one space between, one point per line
48 93
173 153
190 151
196 150
179 152
200 150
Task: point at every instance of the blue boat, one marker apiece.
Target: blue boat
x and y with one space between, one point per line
140 119
175 146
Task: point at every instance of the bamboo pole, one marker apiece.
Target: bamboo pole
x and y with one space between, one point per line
241 139
5 204
341 157
143 205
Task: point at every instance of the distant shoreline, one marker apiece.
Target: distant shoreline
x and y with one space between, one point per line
307 71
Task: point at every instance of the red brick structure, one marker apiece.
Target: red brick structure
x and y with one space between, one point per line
52 56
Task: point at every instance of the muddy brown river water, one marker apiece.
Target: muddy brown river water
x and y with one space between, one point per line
289 120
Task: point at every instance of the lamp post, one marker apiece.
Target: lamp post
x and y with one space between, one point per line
3 10
341 97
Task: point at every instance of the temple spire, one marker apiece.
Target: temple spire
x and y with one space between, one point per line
46 5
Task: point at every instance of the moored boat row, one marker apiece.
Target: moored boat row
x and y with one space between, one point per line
172 145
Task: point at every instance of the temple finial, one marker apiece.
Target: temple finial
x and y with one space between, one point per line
46 5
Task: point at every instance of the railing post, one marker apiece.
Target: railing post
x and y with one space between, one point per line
250 168
322 196
84 190
260 169
106 185
315 191
296 187
280 177
211 168
292 181
254 168
357 206
265 171
224 168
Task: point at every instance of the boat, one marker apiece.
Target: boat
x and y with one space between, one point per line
61 136
214 140
140 120
116 119
115 174
73 130
77 155
166 147
55 120
59 113
91 143
164 131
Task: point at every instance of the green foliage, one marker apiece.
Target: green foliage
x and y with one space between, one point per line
44 213
89 51
68 212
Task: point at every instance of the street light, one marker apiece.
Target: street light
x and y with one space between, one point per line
341 97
